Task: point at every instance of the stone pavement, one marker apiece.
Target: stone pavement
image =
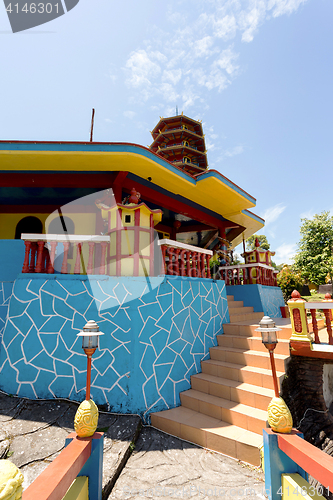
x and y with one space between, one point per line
32 434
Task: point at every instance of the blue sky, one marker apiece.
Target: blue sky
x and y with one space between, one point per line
258 73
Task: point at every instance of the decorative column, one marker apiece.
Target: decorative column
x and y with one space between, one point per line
50 268
77 267
25 268
91 245
32 257
299 324
103 254
65 257
39 262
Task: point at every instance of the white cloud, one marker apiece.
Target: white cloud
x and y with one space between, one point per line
141 68
129 114
285 253
237 150
192 56
271 214
309 214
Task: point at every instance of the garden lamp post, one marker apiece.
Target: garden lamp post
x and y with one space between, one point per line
279 416
268 331
90 335
86 417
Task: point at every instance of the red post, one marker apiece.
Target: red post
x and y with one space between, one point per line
88 378
208 266
25 268
328 326
182 262
188 263
64 260
50 267
46 259
177 250
91 257
39 261
170 262
203 270
163 268
275 382
103 254
77 267
198 265
32 257
315 325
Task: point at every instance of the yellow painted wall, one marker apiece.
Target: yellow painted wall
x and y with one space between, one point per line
78 489
144 243
127 266
295 487
144 219
8 223
127 242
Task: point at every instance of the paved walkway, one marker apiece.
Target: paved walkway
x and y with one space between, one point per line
32 434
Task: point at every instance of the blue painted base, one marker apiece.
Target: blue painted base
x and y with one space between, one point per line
267 299
156 332
277 463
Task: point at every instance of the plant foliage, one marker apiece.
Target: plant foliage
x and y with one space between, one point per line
289 280
314 257
251 242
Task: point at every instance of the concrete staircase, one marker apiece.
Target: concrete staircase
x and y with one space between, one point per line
225 410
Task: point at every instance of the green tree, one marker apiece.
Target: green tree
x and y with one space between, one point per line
251 242
314 257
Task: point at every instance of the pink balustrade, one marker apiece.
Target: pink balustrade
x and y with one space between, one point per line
41 251
248 274
179 259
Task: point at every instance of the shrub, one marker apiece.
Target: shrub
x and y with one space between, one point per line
289 280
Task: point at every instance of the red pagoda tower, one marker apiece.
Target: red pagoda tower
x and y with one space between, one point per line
180 139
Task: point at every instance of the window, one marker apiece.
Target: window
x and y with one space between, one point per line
186 159
28 224
128 219
185 143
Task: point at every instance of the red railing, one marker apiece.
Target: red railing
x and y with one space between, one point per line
179 259
41 251
311 459
54 482
326 305
248 274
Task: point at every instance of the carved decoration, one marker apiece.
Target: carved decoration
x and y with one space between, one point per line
297 320
11 480
279 416
86 419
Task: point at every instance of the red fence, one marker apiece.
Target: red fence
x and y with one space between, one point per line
179 259
41 250
248 274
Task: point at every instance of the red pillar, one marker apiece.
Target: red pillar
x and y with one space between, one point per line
25 268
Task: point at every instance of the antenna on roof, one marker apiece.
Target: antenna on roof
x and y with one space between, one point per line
92 124
176 110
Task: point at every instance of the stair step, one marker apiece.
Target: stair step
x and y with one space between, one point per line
254 317
234 304
260 377
246 417
240 392
249 357
254 343
240 310
210 433
247 329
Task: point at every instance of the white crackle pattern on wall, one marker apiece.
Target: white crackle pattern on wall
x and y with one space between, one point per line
155 335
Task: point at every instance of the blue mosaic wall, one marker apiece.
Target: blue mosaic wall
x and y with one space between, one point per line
6 288
156 333
267 299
